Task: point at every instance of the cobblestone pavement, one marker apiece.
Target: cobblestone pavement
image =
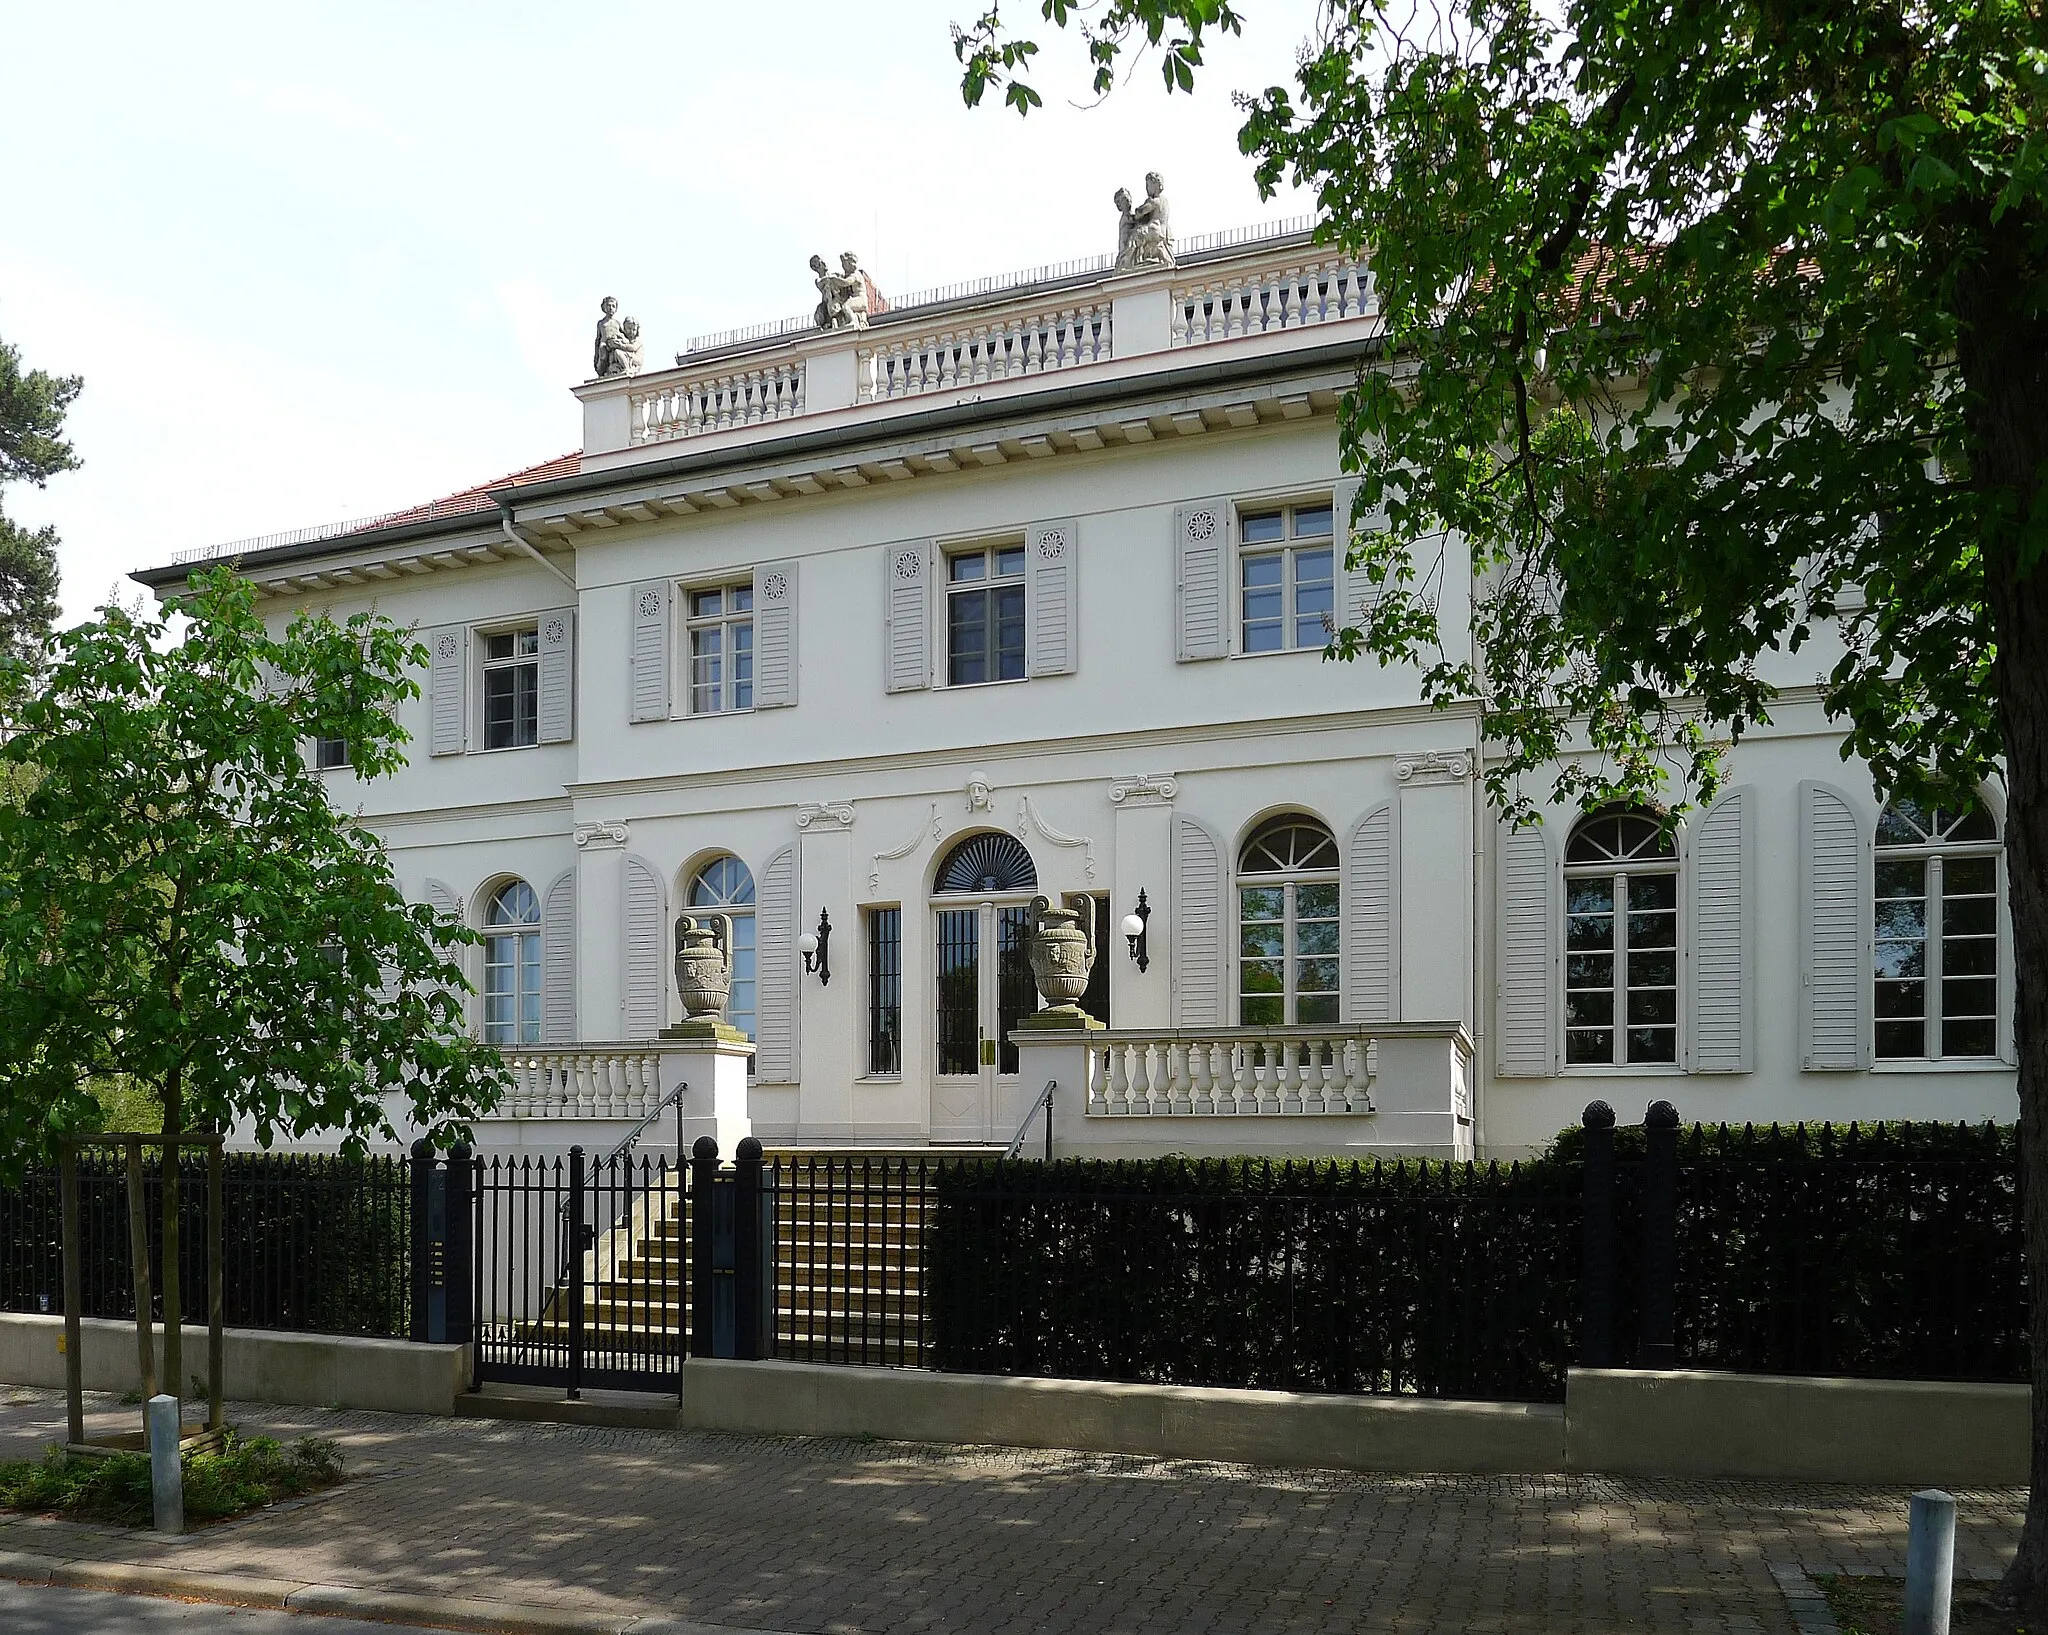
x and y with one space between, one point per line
848 1536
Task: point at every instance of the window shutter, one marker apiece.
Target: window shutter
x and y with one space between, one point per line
1201 580
907 617
558 961
1199 967
775 905
558 676
1528 973
1723 914
447 689
646 996
441 898
1371 959
774 635
648 646
1052 598
1834 931
1358 584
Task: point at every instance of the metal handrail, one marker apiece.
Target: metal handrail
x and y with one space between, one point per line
1044 1100
563 1235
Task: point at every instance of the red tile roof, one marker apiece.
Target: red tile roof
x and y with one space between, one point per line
479 497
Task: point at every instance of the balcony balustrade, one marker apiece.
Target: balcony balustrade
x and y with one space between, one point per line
955 355
1259 301
582 1081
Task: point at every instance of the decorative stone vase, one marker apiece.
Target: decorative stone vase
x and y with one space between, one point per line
704 965
1062 948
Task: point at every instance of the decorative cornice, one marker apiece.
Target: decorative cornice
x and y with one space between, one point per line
824 815
1433 766
930 820
1147 789
1028 818
598 836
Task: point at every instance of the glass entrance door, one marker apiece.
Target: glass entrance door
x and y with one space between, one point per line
984 989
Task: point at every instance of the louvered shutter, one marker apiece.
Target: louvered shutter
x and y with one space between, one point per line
648 648
1723 919
774 635
558 676
1371 964
1201 580
1358 584
645 1011
1200 970
447 689
775 913
1052 598
558 961
907 616
441 898
1833 930
1527 974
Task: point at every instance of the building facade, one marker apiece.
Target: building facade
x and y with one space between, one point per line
871 635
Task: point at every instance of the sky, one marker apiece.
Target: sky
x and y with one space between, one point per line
321 261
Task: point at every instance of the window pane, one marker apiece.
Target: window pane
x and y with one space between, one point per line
1658 1005
1969 956
1588 1047
1260 530
1318 1008
740 599
497 709
1595 896
1264 604
1009 632
1314 598
1010 559
1901 959
1589 971
1316 976
1901 919
1901 1040
967 567
1310 520
1969 917
1653 891
1262 902
1316 937
1656 969
1899 879
705 603
1261 940
1589 933
1316 901
1261 1011
1969 996
707 670
1901 998
525 704
1978 1037
1593 1007
967 638
1652 1045
498 647
742 666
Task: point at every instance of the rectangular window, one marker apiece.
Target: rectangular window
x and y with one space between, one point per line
985 615
1287 578
1936 954
1621 969
512 689
721 630
885 990
329 753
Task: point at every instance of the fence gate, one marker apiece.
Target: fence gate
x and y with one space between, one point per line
580 1274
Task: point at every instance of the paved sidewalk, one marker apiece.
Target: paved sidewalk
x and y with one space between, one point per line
843 1536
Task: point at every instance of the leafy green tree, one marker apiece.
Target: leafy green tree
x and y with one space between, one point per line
33 450
1709 327
183 909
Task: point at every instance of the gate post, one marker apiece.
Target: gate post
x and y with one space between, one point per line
458 1255
1596 1316
703 1182
748 1247
576 1230
1655 1347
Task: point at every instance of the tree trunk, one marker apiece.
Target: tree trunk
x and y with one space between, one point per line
2003 354
174 1355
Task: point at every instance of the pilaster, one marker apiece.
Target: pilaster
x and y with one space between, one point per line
829 1012
1142 852
1437 885
600 929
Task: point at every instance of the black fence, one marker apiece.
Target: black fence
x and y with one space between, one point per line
851 1237
315 1243
1428 1279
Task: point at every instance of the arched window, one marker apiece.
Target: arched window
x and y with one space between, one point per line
512 966
1287 915
1620 940
989 863
724 884
1937 932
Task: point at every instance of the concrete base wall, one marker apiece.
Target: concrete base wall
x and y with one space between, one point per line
1182 1422
1906 1433
257 1365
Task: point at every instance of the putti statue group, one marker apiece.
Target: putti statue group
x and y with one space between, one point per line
847 297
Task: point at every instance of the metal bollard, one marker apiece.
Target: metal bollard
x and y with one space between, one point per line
1930 1561
166 1473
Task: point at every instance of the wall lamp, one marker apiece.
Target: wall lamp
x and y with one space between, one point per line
816 947
1134 932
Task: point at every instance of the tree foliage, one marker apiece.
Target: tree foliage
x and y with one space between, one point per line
32 450
181 905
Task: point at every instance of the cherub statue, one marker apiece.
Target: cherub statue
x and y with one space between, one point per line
842 296
617 350
1144 234
629 352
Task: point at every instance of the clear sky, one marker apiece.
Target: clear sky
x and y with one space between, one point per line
320 261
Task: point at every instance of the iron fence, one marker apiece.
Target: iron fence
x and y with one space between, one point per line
851 1241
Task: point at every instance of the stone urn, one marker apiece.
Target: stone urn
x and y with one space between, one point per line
704 965
1062 949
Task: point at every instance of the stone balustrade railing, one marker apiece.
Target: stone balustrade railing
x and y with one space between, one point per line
1258 301
718 402
1313 1071
582 1081
984 349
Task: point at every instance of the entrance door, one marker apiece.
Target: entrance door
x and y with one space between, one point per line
985 989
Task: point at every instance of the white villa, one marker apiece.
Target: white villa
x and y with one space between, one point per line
871 634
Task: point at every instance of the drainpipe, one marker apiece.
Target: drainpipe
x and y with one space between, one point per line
519 542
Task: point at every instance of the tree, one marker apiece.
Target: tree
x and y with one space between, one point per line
181 905
1706 325
33 450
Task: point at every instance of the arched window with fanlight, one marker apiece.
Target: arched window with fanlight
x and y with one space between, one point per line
1288 916
1936 934
1620 940
512 966
725 885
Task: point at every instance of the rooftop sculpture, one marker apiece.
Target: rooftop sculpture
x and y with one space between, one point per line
618 349
1144 236
842 296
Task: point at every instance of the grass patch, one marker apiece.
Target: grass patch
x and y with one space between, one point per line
247 1474
1877 1606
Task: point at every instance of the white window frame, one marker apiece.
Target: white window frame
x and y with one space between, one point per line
1242 881
483 665
1931 854
319 752
1288 548
1618 871
945 553
519 933
687 625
